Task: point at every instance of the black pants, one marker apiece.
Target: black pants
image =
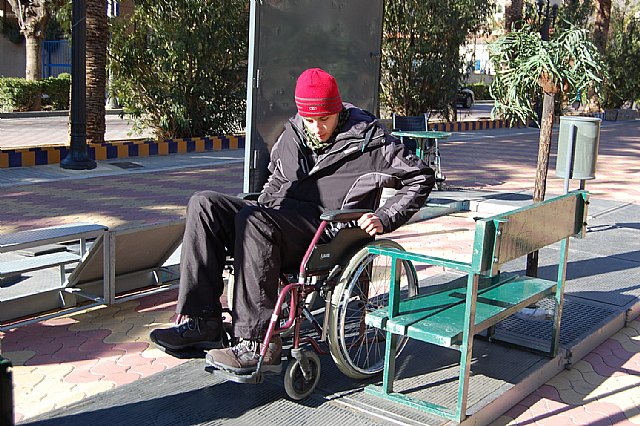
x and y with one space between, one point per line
263 241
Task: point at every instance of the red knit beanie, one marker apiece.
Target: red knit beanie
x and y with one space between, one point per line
317 94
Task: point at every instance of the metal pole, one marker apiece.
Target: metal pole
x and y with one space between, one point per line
571 149
250 153
77 158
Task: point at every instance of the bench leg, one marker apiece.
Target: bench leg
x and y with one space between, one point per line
83 247
559 297
63 275
466 349
109 268
389 372
63 278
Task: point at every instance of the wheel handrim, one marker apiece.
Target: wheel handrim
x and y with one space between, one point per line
364 346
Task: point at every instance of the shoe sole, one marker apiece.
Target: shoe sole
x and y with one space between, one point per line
202 345
266 369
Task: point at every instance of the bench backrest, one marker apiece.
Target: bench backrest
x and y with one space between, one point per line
410 122
508 236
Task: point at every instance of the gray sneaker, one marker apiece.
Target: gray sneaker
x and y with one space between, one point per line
243 357
191 333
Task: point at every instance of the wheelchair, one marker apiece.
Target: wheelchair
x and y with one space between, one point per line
352 283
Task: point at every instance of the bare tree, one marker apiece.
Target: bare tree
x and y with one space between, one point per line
33 16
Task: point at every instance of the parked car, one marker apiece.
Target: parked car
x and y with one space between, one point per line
465 97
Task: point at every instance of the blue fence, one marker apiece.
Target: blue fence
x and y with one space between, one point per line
56 58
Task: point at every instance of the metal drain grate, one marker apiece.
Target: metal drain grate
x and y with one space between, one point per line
578 320
127 165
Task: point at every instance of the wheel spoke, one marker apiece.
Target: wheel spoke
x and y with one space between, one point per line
357 348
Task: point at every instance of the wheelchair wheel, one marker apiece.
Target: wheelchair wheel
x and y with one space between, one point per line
296 386
357 348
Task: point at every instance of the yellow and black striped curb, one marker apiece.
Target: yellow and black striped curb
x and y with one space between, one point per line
35 156
465 126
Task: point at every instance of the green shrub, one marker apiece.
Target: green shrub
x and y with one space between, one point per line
480 91
181 69
623 60
18 94
55 92
421 59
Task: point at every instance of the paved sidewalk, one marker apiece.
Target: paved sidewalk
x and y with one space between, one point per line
68 359
52 129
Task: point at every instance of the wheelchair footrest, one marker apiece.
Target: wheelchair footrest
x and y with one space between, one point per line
254 378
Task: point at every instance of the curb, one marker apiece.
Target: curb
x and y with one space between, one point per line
56 113
40 156
45 155
465 126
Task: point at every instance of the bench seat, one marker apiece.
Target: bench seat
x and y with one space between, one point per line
13 267
41 236
438 317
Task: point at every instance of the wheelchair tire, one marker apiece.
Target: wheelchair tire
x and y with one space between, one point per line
296 386
358 349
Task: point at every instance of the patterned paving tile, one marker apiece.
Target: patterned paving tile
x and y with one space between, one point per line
593 392
61 361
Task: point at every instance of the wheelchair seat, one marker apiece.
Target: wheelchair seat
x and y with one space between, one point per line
338 251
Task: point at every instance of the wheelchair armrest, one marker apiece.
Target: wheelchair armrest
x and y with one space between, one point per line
343 215
253 196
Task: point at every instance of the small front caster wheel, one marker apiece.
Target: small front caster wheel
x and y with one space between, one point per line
295 384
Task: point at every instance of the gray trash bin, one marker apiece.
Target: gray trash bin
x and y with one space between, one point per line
585 132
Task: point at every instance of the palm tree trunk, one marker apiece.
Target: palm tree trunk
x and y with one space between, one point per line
96 69
602 17
513 14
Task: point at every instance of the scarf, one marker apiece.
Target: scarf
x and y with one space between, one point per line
316 144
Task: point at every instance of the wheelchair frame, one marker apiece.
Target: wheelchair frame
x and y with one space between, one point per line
348 263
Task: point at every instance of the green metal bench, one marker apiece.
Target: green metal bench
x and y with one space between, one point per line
451 317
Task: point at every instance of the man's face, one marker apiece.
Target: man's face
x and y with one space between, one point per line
322 127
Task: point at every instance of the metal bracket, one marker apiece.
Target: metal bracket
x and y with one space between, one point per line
495 257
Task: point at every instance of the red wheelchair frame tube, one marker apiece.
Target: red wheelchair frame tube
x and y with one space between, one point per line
294 289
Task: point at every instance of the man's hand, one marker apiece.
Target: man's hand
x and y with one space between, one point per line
371 224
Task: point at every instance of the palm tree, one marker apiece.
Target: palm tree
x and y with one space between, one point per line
96 69
602 17
527 65
513 14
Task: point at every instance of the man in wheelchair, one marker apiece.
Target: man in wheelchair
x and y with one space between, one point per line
331 155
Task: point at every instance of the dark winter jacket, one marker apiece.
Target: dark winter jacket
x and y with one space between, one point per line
349 174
